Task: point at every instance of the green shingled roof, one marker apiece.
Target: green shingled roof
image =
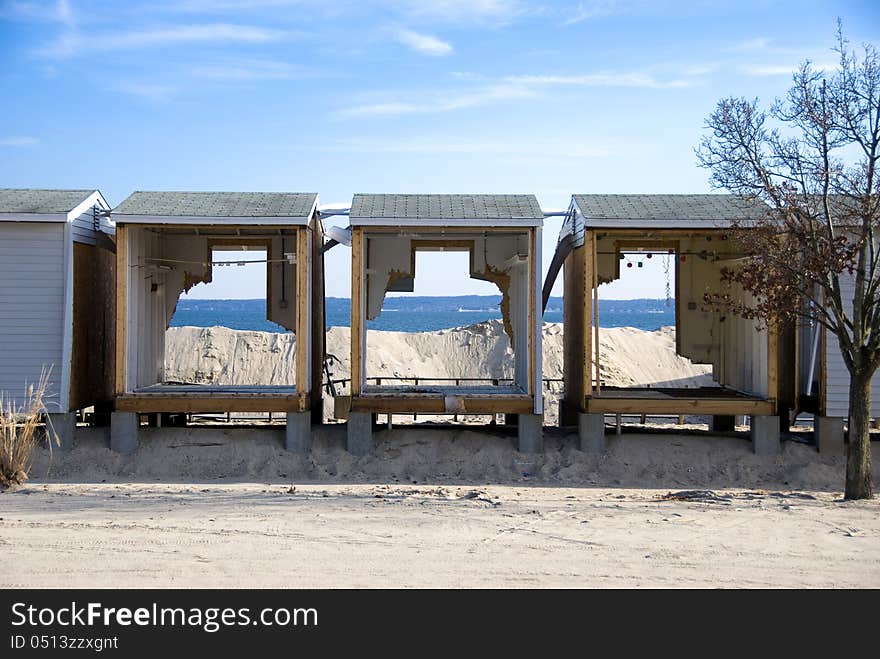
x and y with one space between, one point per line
697 207
218 204
41 201
446 207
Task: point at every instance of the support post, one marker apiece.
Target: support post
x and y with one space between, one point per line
530 433
828 433
591 432
64 426
298 434
123 432
360 433
765 435
722 423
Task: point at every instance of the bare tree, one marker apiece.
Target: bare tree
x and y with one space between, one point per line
813 159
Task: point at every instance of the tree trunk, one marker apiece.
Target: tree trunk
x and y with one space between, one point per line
858 455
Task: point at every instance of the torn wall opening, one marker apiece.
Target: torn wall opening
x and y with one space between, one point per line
169 262
495 354
637 268
731 345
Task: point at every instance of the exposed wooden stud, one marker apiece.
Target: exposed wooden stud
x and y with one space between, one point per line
121 306
595 285
587 326
357 297
532 356
303 319
773 365
319 320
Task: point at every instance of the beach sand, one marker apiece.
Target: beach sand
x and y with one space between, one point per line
435 508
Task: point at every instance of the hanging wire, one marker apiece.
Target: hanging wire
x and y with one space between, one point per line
668 287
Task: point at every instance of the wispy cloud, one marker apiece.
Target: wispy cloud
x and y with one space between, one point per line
148 91
249 69
442 145
73 43
485 12
756 44
423 43
20 140
54 12
601 80
510 88
586 11
445 102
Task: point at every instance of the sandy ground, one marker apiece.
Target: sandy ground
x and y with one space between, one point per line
145 535
219 355
435 508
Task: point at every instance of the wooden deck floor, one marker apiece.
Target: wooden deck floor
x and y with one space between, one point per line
697 400
212 398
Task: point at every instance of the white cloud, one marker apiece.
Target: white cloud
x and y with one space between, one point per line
423 43
55 12
72 43
438 145
148 91
751 45
586 11
446 102
511 88
209 33
248 69
601 80
465 11
21 140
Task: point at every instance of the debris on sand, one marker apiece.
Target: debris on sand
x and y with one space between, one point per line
697 496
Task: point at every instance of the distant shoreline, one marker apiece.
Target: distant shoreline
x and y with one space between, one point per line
417 313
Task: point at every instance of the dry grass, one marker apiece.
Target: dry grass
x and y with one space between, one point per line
20 431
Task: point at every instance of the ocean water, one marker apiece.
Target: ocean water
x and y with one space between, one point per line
418 314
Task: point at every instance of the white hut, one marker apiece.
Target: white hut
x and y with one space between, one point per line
56 299
165 246
822 379
502 235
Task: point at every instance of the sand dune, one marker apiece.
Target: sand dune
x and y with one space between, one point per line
218 355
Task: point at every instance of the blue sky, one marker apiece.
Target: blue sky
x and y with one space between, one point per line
392 96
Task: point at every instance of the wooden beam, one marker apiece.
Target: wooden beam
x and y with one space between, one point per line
319 319
303 317
533 305
700 406
436 404
357 314
207 403
587 327
121 306
773 364
595 291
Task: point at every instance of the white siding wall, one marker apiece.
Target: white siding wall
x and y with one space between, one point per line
836 374
83 227
31 305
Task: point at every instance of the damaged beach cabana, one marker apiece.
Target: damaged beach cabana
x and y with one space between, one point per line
166 243
501 234
599 233
56 300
